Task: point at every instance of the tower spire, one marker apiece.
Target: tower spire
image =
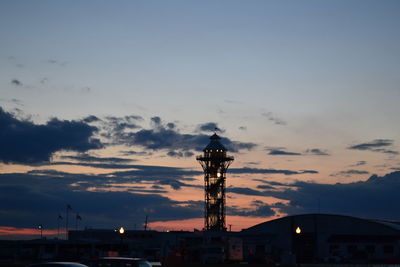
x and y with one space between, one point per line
215 162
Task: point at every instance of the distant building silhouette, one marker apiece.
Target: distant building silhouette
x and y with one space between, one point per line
215 162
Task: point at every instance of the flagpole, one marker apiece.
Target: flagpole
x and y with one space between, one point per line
58 228
77 217
66 223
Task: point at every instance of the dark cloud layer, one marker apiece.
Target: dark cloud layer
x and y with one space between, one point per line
376 197
27 200
38 196
161 137
22 141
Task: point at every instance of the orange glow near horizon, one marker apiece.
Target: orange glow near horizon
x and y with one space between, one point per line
14 231
236 223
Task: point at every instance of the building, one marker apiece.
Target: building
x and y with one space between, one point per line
306 238
312 238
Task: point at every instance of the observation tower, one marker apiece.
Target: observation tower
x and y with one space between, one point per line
215 162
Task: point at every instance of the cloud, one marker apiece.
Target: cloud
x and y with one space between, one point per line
245 191
280 152
133 173
29 199
13 101
377 197
90 119
186 154
16 82
56 62
161 137
349 173
22 141
316 152
273 118
87 158
209 127
261 209
115 128
252 163
359 163
269 171
135 153
377 145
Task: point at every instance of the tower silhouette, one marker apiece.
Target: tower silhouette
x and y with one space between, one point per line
215 162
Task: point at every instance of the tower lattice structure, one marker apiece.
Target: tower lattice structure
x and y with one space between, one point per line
215 163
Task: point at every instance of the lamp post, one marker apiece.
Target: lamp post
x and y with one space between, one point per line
40 227
121 232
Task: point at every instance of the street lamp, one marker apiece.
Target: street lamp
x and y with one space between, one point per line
121 232
40 227
298 230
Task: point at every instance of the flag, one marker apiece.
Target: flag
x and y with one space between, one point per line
60 217
78 217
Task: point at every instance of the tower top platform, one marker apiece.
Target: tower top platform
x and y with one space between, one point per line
215 144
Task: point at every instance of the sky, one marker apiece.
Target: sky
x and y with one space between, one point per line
104 106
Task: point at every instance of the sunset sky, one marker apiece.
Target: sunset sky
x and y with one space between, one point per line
105 104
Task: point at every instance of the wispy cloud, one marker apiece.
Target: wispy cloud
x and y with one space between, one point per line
316 152
83 157
271 117
56 62
377 145
349 173
269 171
359 163
16 82
179 154
280 152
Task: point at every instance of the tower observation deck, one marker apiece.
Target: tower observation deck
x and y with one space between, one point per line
215 162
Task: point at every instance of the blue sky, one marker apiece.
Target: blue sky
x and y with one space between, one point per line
294 85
